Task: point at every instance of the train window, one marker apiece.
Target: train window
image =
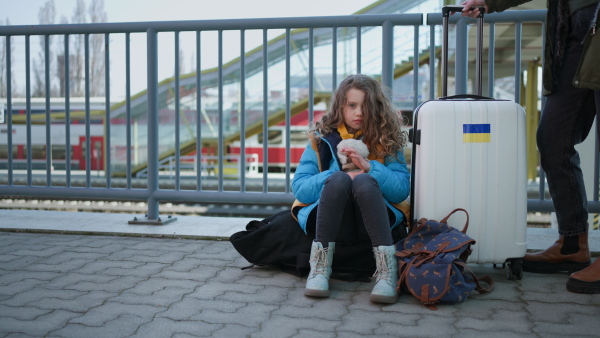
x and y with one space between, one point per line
15 152
298 137
38 151
58 152
4 151
275 137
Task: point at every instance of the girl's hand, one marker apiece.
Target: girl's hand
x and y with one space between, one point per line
358 160
473 13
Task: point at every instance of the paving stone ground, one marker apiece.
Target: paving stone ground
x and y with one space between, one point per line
55 285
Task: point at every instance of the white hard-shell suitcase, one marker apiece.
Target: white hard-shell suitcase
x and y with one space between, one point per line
469 152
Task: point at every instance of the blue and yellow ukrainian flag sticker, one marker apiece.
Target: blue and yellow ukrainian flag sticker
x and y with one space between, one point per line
476 133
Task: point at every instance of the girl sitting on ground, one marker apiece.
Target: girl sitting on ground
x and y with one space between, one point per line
339 200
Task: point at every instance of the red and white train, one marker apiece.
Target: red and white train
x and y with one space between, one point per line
58 138
253 144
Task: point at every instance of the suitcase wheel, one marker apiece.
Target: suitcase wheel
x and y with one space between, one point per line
514 269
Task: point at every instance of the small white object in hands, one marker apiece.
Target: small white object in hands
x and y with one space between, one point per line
359 146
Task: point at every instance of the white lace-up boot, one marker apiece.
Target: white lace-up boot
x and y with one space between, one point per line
317 282
384 290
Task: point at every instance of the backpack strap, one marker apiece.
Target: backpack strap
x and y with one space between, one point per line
425 256
424 295
486 279
445 220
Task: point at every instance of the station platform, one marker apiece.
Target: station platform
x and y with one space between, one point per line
66 274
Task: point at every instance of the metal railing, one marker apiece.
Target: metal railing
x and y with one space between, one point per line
152 194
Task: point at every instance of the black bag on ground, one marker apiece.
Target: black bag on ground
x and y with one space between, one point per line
276 240
279 241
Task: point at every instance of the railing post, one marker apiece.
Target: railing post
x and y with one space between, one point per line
358 49
462 57
107 143
387 56
152 45
28 108
88 118
152 103
491 58
47 96
518 71
416 68
8 116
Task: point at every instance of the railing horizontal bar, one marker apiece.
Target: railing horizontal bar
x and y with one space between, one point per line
272 198
510 16
547 206
207 25
76 193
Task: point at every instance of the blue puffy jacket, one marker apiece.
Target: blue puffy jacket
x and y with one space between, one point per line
393 178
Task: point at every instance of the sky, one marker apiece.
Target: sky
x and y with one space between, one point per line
25 12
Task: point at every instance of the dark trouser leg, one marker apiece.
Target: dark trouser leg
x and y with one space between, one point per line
351 204
372 210
566 121
370 203
335 199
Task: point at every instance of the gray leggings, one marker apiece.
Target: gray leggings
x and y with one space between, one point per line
348 205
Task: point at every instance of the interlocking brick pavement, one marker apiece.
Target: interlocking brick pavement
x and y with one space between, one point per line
113 286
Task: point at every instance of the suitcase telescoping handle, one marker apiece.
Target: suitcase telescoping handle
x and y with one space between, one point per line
446 11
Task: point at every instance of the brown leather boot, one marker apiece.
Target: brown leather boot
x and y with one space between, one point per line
586 280
551 260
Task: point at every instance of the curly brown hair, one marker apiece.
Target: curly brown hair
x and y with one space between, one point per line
381 123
